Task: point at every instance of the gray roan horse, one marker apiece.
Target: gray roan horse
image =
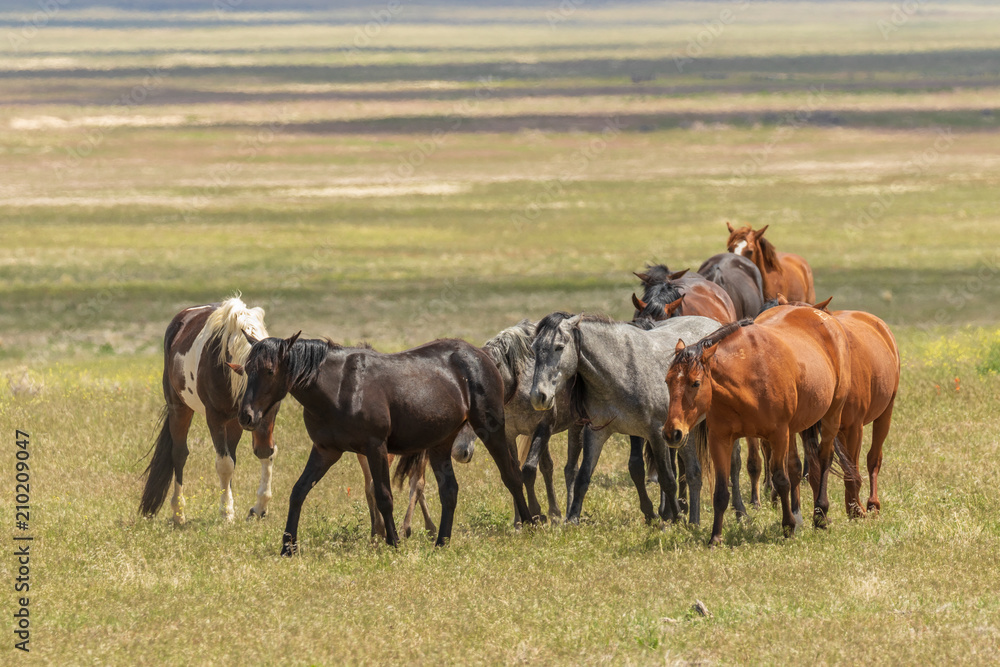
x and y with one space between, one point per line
615 372
526 428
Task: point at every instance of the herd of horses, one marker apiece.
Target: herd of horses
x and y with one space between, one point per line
737 350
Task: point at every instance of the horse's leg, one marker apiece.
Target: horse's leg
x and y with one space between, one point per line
378 460
179 421
448 492
574 444
720 448
681 476
530 468
753 469
226 435
692 473
316 467
793 466
593 443
734 477
821 501
669 508
779 477
547 467
417 481
880 430
850 437
264 489
378 526
637 471
506 461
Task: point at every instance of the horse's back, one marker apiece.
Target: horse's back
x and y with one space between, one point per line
741 280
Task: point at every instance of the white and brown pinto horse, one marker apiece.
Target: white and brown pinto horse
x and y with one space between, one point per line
197 345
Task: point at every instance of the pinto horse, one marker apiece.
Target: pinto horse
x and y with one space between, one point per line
359 400
741 280
874 384
198 343
669 294
781 272
770 378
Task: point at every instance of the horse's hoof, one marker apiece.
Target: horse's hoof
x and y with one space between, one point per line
789 531
715 541
288 550
408 532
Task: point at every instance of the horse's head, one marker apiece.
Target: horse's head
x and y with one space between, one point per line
268 381
655 309
690 386
557 353
745 240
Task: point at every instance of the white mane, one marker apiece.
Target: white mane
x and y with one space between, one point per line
228 323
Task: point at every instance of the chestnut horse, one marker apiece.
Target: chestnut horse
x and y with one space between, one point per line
771 378
780 271
874 384
198 343
358 400
669 294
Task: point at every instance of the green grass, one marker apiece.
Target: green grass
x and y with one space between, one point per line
531 215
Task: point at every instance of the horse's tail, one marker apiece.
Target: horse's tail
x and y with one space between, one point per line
523 448
408 465
160 471
847 468
810 443
700 434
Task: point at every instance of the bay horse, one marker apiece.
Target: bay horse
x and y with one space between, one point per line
781 272
614 373
741 280
681 293
874 384
362 401
771 377
197 345
527 429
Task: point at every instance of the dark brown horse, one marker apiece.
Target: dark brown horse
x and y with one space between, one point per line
669 294
771 378
198 343
781 272
359 400
741 280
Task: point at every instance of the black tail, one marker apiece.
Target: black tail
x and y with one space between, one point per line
810 442
160 471
407 465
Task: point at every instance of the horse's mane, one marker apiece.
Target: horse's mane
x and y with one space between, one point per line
226 325
655 273
512 347
768 254
689 353
659 295
304 359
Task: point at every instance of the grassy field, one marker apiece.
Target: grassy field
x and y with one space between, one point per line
465 169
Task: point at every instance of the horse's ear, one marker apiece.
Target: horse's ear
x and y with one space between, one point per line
250 339
680 346
760 232
575 320
782 299
638 303
731 230
291 341
708 352
679 274
237 368
644 277
672 307
822 305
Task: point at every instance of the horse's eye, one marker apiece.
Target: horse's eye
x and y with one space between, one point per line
270 372
558 348
696 384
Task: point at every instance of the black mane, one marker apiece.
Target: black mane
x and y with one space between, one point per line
658 295
691 352
303 358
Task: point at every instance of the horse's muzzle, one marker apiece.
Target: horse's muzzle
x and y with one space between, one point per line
541 401
674 437
249 419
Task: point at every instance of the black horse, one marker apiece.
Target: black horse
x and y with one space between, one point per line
741 280
359 400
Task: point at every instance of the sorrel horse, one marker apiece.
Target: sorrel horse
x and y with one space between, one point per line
527 429
874 384
614 373
198 343
781 272
669 294
770 378
359 400
741 280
